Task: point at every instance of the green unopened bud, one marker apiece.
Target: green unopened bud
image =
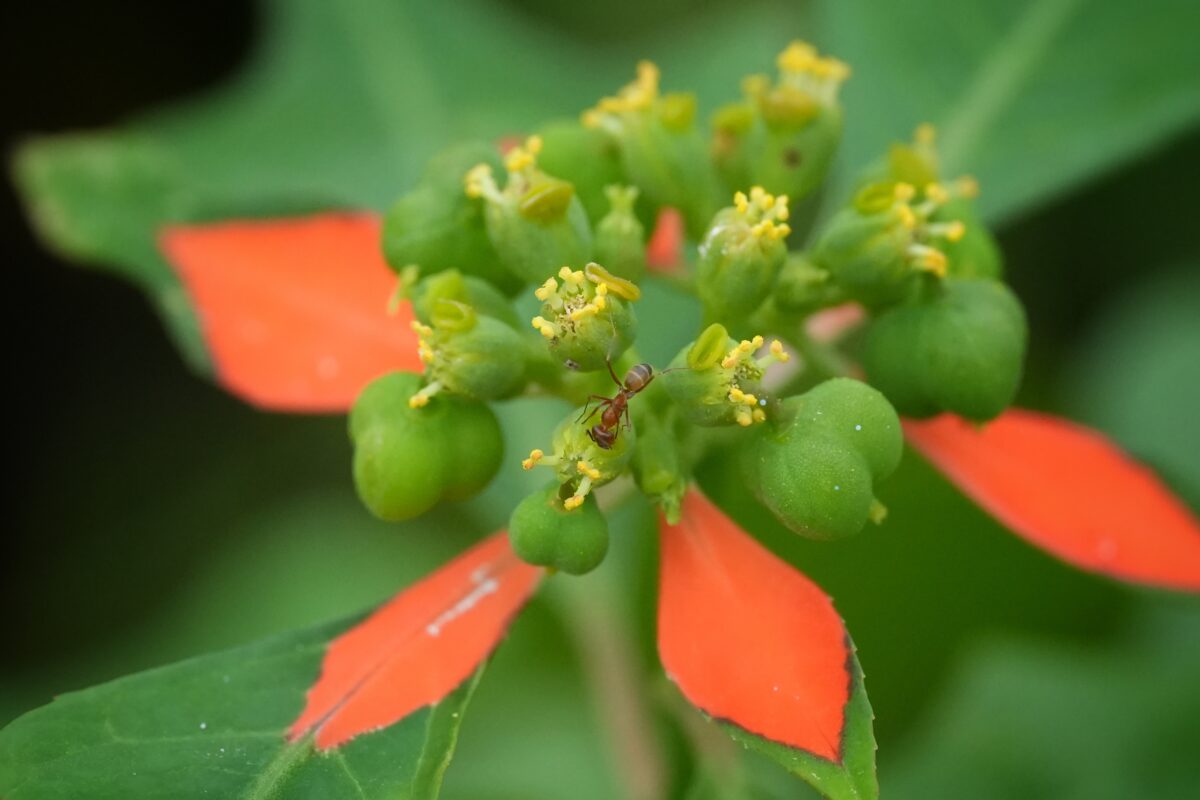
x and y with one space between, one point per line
791 142
587 157
960 350
716 380
741 255
437 227
878 246
468 354
545 533
803 287
407 459
466 289
657 467
815 469
583 460
536 222
620 238
661 150
586 317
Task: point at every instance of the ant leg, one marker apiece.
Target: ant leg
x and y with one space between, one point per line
616 380
587 412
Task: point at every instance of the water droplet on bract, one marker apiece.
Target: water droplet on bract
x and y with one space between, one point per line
203 725
858 427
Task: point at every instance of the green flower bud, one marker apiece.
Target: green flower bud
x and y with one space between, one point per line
589 158
960 350
803 287
578 459
466 289
661 149
785 135
975 254
878 246
716 380
620 238
406 460
437 227
545 533
536 223
816 467
587 319
741 255
468 354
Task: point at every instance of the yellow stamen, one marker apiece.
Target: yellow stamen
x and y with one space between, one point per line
544 327
925 134
584 468
573 502
778 351
904 191
547 289
535 456
937 193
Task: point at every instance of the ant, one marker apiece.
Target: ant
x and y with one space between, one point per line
613 409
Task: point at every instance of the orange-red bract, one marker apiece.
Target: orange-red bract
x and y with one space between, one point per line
294 311
419 647
664 251
1068 490
747 638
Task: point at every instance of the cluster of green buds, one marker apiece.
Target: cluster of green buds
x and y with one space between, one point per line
567 231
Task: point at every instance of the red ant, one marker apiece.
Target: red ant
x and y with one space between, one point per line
612 409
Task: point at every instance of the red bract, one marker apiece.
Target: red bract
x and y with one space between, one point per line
747 638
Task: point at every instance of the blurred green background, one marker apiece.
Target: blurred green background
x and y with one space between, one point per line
152 517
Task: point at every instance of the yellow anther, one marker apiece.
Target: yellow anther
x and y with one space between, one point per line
477 177
569 275
584 468
534 144
749 400
753 344
544 327
421 329
937 193
778 351
925 134
955 230
928 259
755 85
736 394
744 417
904 191
741 203
908 217
573 502
524 157
601 289
758 415
547 289
418 401
601 302
797 57
535 456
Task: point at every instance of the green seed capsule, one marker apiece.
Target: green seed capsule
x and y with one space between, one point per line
960 350
590 159
620 238
816 466
407 459
857 414
438 228
741 255
812 481
536 223
546 534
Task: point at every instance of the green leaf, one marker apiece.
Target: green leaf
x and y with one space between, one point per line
852 779
1033 97
214 727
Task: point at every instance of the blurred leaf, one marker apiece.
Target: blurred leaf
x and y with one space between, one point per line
1136 375
1030 721
1033 97
214 727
